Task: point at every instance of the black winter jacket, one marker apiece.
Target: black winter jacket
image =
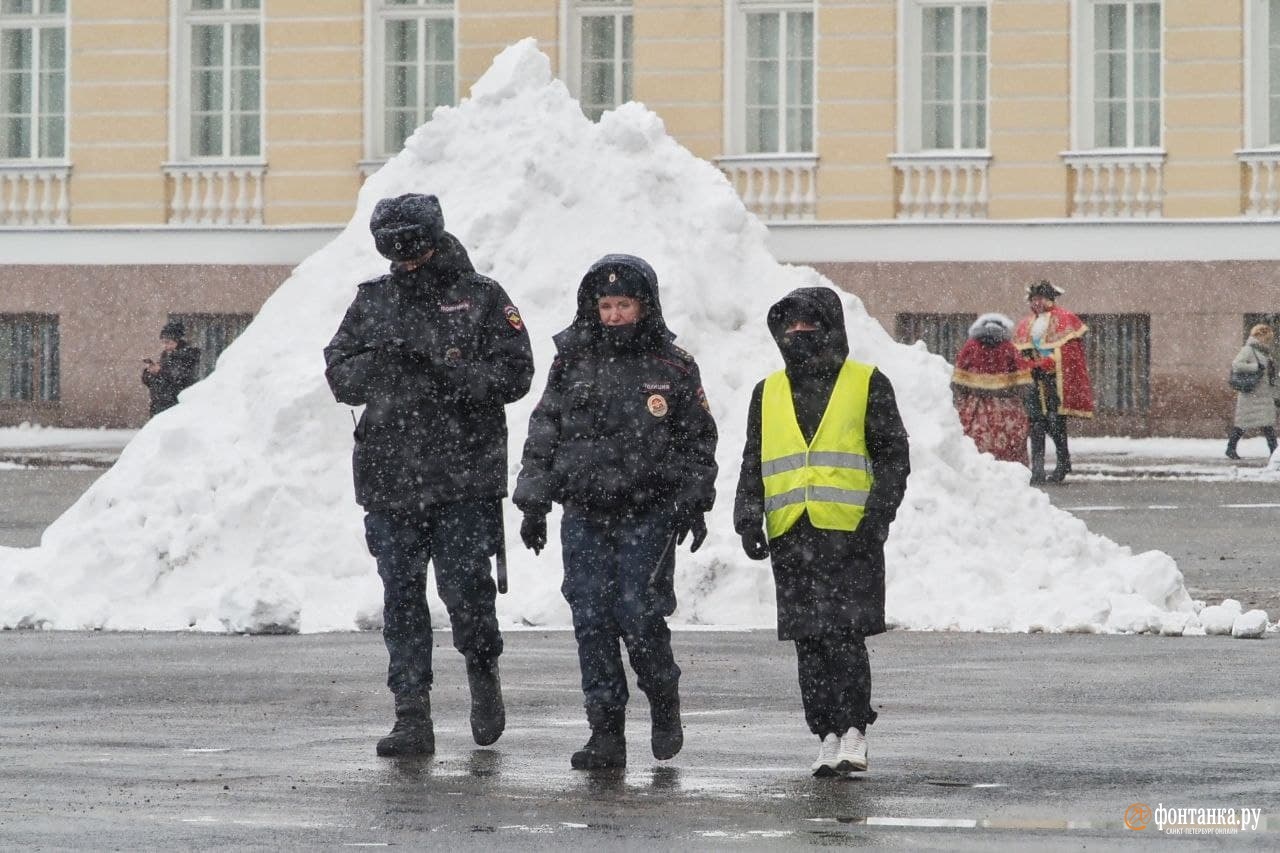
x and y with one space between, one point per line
433 354
619 428
824 579
179 369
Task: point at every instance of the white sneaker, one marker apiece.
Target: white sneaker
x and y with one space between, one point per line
852 757
825 764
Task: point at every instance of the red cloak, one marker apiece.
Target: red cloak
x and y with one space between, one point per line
1064 343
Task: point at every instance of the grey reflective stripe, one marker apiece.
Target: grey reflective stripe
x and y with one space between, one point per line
830 494
826 494
782 464
836 459
826 458
776 502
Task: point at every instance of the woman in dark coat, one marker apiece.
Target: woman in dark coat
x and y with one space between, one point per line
624 440
830 582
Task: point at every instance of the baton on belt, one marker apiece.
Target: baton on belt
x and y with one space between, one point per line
660 566
501 553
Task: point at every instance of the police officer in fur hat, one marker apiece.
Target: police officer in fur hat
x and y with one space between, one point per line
433 351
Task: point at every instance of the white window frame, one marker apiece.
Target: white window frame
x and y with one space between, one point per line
735 61
1257 104
1082 59
183 19
36 21
911 78
574 11
377 12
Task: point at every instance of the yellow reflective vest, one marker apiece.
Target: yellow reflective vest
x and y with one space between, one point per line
828 478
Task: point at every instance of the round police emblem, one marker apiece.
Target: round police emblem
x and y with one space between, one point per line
452 355
657 405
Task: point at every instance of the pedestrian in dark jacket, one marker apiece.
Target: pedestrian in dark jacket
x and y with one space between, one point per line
178 368
624 440
433 352
824 470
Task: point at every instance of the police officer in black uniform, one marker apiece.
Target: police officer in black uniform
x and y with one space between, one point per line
433 352
624 440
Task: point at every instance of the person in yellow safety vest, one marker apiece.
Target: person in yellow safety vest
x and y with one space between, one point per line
824 470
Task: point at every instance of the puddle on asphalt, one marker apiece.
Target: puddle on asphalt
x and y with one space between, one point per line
960 783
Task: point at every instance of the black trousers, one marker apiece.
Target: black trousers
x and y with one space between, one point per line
1056 428
835 681
616 585
458 538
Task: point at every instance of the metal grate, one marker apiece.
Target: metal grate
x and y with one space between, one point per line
29 361
212 333
1119 353
943 334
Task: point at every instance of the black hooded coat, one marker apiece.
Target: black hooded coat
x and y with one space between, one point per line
827 579
620 427
433 354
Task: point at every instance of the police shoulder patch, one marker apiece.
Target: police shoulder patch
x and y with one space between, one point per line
513 317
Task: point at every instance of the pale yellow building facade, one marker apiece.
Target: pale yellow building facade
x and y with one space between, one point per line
896 143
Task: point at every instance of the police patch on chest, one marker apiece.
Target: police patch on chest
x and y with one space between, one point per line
455 307
657 405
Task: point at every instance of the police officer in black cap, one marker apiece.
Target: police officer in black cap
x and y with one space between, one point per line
433 351
624 440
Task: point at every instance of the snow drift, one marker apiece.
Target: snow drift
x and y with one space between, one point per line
234 511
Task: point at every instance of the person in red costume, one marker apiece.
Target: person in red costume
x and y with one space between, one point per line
1053 339
989 383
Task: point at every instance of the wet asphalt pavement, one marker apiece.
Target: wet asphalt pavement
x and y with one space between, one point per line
1013 742
183 741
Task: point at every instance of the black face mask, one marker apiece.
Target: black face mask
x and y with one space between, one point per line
620 337
802 349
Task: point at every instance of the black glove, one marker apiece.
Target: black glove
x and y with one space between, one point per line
699 530
870 536
755 543
533 531
688 520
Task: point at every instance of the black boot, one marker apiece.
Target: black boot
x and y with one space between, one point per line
1233 438
668 732
488 715
1269 434
1058 432
412 734
1037 452
607 746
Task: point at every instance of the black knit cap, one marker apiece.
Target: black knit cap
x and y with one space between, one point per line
173 330
407 227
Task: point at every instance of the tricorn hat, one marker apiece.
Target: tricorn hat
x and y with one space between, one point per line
1045 289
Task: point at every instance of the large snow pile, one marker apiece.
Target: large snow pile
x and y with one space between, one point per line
235 511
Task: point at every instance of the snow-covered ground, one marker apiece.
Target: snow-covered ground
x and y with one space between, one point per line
27 437
234 510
